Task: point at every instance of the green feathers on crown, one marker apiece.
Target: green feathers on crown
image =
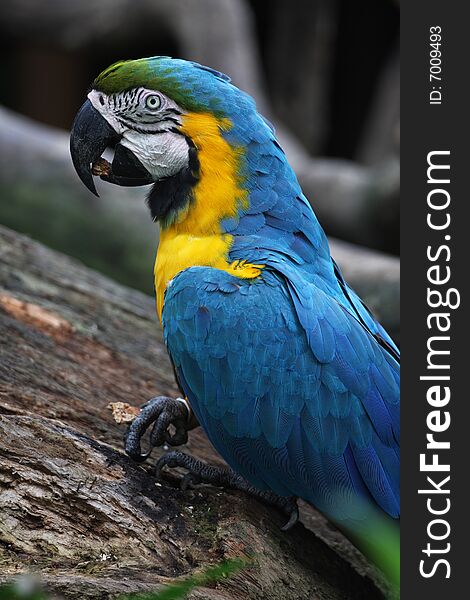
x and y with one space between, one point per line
156 73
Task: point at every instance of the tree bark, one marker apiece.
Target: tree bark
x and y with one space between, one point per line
73 508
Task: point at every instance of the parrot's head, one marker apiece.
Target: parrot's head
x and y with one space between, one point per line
158 114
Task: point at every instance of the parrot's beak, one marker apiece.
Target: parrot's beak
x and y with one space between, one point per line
90 136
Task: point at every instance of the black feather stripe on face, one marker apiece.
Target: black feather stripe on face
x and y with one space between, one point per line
168 196
130 110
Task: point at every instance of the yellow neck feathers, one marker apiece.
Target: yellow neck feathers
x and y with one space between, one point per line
196 239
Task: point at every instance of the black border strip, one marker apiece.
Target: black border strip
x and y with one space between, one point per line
425 128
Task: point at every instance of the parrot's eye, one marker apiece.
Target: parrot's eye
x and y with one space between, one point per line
153 102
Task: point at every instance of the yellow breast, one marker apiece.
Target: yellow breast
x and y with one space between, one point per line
197 238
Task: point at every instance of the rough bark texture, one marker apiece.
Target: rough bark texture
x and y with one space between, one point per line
73 507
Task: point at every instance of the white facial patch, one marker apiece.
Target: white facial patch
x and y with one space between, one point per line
146 132
162 154
105 110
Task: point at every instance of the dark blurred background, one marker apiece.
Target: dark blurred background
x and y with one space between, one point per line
325 71
355 41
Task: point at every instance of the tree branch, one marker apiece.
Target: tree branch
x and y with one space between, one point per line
73 508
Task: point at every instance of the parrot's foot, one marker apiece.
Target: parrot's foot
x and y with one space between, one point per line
201 472
163 412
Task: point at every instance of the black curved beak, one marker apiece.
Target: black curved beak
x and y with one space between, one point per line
91 134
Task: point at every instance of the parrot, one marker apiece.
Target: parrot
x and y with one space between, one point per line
293 380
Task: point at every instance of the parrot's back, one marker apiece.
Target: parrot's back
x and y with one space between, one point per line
316 422
295 382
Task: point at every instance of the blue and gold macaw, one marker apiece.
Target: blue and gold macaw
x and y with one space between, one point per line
291 377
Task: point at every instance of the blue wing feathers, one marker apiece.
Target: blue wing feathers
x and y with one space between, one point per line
294 381
318 399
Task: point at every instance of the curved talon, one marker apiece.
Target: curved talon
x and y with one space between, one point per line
159 433
139 458
167 460
162 412
132 445
293 518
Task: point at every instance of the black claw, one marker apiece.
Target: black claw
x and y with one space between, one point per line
132 445
159 435
163 412
167 460
293 518
200 472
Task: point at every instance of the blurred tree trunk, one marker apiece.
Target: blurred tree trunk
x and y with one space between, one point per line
73 508
355 202
300 64
381 136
